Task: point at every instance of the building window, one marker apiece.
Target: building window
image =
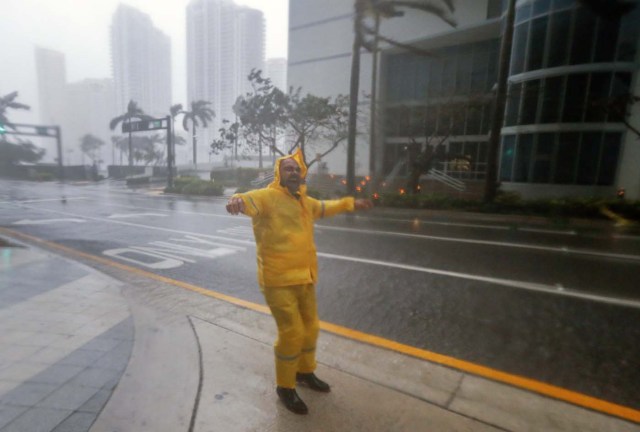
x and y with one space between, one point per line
530 95
513 104
518 53
598 95
551 100
574 98
610 154
523 13
582 38
537 40
541 6
628 36
522 162
506 159
542 158
606 39
566 157
559 27
589 156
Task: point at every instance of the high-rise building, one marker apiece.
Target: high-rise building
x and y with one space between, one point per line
224 43
141 62
565 131
276 70
52 80
92 105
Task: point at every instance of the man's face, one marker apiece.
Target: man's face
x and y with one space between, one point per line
290 175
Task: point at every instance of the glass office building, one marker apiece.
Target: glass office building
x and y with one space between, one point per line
571 72
570 69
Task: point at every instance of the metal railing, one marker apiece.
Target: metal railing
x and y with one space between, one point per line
441 177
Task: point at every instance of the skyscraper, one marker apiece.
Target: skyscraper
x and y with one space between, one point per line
224 43
52 80
141 62
276 70
91 101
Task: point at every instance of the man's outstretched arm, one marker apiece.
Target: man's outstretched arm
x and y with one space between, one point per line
235 205
328 208
362 204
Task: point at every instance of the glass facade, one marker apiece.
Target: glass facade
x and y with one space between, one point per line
564 33
581 158
448 94
549 34
558 125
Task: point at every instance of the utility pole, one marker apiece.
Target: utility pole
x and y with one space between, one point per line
491 183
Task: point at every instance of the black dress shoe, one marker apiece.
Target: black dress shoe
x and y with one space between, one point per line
291 400
313 382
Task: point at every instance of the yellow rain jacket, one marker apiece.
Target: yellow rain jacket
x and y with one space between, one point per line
283 229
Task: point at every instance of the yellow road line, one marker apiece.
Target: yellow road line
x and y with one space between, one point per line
465 366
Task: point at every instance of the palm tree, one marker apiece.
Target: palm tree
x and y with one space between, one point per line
133 111
382 8
199 113
9 101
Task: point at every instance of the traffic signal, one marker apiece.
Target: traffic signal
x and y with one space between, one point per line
3 129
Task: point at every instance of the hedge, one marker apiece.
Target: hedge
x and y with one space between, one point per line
511 204
195 186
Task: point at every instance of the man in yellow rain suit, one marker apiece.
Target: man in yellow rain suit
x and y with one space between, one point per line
283 216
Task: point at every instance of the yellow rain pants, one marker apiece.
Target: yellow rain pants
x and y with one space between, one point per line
294 309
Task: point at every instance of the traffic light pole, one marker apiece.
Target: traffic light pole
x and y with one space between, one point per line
41 131
155 124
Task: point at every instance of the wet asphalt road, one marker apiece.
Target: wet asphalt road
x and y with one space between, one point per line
556 305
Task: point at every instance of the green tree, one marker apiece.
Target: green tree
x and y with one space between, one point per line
22 151
133 112
200 114
362 34
314 124
90 146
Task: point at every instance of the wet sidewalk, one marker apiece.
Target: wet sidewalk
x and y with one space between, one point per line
80 350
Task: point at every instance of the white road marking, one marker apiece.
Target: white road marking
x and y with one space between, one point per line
469 225
43 200
530 286
161 255
135 215
547 289
560 249
47 221
555 249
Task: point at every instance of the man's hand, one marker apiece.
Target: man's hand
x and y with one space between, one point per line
362 204
235 206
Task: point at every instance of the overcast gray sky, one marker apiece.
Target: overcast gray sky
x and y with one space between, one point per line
80 30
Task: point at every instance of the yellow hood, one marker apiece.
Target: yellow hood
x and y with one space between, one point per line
299 158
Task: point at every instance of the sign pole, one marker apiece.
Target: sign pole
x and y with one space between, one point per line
59 146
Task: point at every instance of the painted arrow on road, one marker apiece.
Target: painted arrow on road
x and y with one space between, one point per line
46 221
